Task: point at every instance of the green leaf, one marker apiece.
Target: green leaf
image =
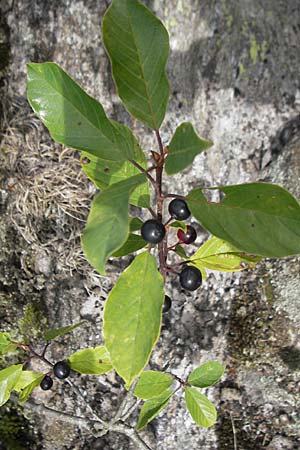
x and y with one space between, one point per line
138 47
91 361
108 222
52 334
132 317
152 384
135 224
25 394
151 408
8 380
201 409
179 224
181 252
73 117
207 374
134 242
258 218
26 383
104 173
6 345
184 147
216 254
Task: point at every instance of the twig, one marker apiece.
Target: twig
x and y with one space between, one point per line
234 433
152 213
174 196
33 353
132 434
160 144
78 420
144 171
60 415
130 409
80 394
45 349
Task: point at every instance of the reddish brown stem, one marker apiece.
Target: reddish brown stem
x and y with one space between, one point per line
144 171
152 213
33 353
160 144
174 196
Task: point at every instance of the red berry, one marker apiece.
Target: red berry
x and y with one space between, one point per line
187 237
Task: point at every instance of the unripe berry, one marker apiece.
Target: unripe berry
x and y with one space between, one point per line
178 209
167 304
187 237
153 231
46 383
190 278
61 370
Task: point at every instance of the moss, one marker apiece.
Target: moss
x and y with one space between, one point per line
254 49
16 432
229 21
32 325
256 332
242 68
263 50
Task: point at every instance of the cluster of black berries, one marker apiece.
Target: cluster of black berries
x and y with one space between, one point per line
61 370
153 231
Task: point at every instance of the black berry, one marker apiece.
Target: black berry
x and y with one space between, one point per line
190 278
153 231
167 304
187 237
179 209
61 370
46 383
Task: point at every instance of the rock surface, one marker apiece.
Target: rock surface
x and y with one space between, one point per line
234 72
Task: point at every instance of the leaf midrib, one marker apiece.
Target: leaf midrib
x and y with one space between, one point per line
254 211
190 147
139 315
141 67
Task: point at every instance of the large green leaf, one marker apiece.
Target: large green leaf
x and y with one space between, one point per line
201 409
73 117
151 408
132 316
138 46
152 384
91 361
207 374
108 222
104 173
8 380
26 383
52 334
258 218
184 147
6 345
216 254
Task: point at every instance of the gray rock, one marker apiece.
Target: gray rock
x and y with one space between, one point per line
234 72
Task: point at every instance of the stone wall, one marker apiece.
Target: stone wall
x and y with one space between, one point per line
234 72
